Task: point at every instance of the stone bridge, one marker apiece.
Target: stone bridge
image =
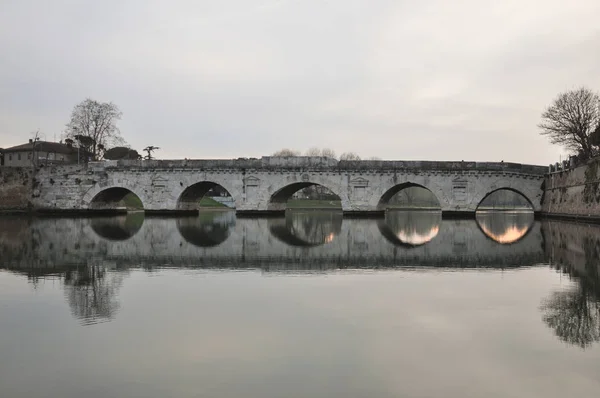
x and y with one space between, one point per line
259 185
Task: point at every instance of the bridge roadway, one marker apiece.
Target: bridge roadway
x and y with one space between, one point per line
260 185
48 245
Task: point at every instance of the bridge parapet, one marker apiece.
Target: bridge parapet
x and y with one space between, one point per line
320 163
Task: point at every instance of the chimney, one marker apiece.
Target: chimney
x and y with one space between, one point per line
31 141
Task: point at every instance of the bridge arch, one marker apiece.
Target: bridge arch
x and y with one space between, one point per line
190 196
384 199
109 196
479 201
279 194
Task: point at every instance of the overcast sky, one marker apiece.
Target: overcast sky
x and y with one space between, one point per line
434 80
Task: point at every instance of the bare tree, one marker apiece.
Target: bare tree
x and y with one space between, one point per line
571 119
349 156
149 149
287 152
314 151
326 152
36 138
97 122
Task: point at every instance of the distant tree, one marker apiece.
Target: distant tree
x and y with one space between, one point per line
314 151
149 149
286 152
121 152
349 156
94 123
374 158
326 152
571 120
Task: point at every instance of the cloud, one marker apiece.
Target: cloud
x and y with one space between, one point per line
393 79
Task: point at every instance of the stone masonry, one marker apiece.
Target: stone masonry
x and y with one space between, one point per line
265 184
15 188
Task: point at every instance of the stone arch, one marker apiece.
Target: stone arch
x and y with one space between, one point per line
190 195
279 194
478 201
390 192
111 192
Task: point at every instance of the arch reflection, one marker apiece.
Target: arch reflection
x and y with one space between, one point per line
310 228
208 229
505 227
116 228
410 228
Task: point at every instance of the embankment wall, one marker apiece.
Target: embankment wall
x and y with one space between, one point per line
574 192
15 188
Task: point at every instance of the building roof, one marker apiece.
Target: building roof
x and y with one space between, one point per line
42 146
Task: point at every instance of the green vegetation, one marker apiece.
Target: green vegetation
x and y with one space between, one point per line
313 204
132 202
207 201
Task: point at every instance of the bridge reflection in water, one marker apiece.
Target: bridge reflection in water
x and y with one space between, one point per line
300 240
410 228
92 256
307 228
505 227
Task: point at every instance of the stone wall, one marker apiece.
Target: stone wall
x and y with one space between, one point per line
15 188
574 192
265 184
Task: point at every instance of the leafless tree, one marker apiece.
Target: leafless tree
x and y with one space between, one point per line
349 156
314 151
97 121
287 152
149 149
328 152
35 139
571 119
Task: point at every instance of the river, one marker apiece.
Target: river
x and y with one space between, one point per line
307 305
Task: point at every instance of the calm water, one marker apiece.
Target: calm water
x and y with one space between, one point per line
310 305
